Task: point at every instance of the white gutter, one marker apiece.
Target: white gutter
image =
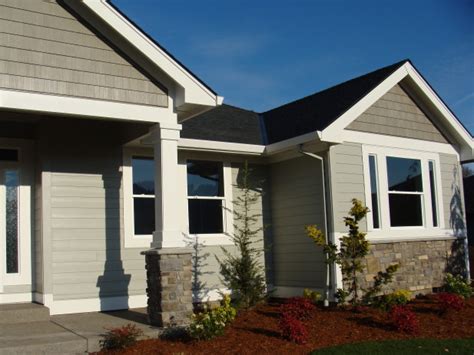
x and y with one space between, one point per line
328 275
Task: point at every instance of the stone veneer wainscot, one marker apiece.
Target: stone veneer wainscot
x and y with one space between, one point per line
423 264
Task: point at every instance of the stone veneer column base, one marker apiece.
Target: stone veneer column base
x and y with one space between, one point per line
169 283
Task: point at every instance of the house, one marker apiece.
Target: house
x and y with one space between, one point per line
110 148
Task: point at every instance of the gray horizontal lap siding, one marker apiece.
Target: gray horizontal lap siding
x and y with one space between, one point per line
347 181
86 225
88 255
45 49
296 201
396 114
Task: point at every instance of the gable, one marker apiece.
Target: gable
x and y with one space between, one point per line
396 114
45 49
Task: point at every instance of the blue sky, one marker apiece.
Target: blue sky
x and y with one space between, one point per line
260 54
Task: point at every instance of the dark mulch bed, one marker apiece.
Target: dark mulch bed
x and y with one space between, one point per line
256 331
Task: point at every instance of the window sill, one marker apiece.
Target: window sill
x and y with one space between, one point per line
138 241
413 234
220 239
144 241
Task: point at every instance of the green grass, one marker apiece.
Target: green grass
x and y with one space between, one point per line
405 347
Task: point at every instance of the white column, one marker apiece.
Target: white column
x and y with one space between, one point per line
167 204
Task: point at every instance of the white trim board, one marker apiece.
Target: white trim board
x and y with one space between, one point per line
222 147
16 297
399 143
97 304
73 106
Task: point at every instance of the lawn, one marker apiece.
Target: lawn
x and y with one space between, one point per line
406 347
256 331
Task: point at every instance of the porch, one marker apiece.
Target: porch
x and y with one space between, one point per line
61 200
28 328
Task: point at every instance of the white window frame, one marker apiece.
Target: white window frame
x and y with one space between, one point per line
143 241
224 238
131 240
24 168
386 230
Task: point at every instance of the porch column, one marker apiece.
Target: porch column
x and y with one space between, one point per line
168 262
167 213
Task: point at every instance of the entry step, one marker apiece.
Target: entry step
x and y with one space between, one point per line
15 313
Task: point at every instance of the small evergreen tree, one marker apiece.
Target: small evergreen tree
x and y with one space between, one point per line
243 272
350 256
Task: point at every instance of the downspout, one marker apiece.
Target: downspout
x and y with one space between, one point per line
328 271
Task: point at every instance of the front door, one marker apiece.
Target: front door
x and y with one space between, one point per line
15 216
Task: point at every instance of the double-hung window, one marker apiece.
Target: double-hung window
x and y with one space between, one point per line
206 200
143 195
402 190
405 192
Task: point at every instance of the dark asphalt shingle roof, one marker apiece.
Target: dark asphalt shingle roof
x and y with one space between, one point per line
312 113
318 111
225 123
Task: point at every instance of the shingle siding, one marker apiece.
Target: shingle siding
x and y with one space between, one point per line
45 49
396 114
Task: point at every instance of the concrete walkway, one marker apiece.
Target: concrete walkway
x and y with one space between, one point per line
68 334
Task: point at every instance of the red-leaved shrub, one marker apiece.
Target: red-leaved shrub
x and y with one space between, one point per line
120 338
450 302
299 308
404 319
293 329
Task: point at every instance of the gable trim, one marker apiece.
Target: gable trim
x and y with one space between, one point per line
191 89
335 131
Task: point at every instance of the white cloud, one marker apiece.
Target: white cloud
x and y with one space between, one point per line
465 98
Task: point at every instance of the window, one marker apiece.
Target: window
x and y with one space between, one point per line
434 204
402 192
12 182
405 189
206 201
9 155
203 196
143 195
374 192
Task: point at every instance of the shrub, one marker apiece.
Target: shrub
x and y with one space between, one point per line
120 338
212 322
397 298
243 272
314 296
404 319
457 284
297 307
450 302
350 256
293 329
